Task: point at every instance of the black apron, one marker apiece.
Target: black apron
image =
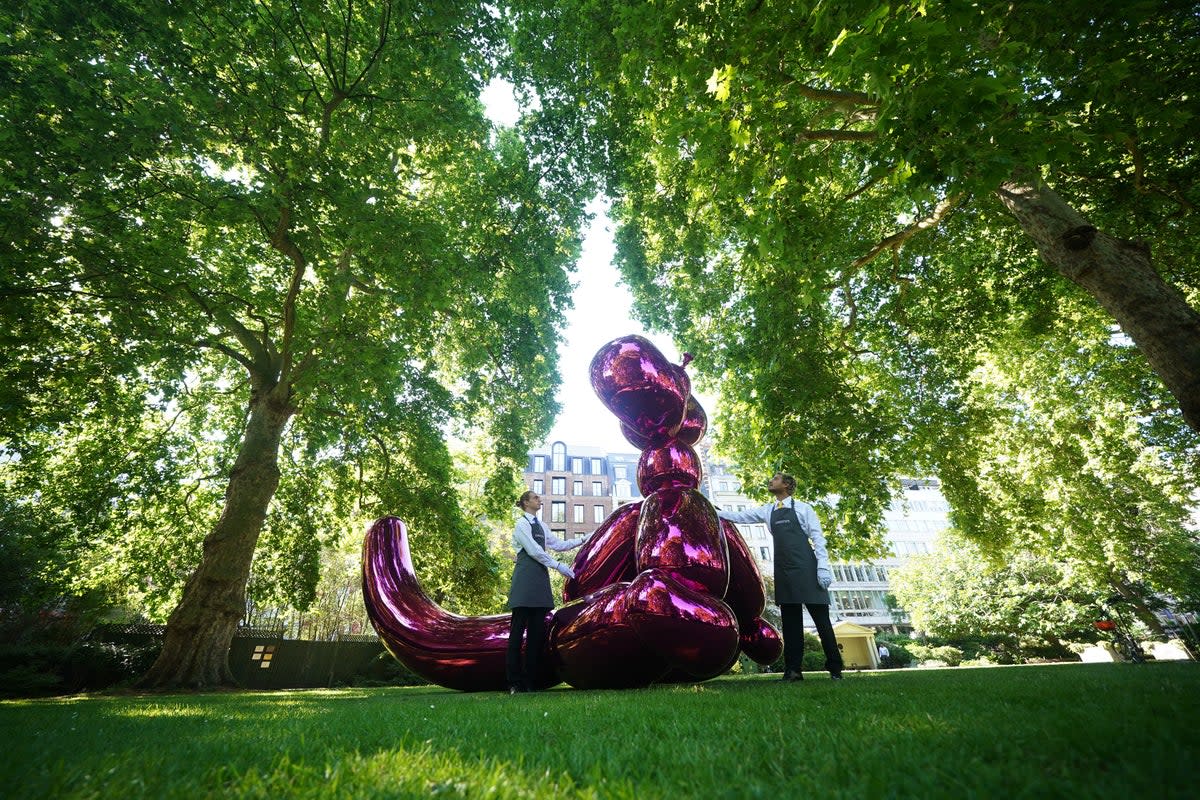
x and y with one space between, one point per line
795 561
531 580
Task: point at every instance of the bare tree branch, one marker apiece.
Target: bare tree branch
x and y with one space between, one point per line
896 240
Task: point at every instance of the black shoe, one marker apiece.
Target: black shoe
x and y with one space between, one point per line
516 690
835 676
792 675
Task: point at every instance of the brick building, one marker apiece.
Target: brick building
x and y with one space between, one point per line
575 484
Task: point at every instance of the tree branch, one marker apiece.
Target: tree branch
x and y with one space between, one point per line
258 361
283 243
837 136
896 240
867 186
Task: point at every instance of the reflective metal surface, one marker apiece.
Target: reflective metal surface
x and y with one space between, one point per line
695 422
607 557
679 533
761 641
634 634
458 652
646 392
674 464
663 590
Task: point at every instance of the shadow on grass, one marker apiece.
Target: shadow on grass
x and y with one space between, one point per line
1083 730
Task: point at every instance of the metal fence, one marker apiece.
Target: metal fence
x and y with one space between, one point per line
260 658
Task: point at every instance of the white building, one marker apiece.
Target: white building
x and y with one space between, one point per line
914 522
859 589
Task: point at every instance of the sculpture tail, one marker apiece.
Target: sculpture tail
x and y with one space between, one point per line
465 653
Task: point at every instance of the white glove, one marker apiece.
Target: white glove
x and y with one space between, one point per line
565 570
824 577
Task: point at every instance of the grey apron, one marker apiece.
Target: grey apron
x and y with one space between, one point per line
795 561
531 580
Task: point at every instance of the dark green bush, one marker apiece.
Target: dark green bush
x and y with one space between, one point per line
98 665
897 645
31 669
386 670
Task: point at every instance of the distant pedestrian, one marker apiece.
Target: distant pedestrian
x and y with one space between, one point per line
885 656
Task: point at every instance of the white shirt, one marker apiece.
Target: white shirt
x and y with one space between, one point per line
804 513
523 540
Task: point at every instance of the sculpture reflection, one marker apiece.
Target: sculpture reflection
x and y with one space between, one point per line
663 591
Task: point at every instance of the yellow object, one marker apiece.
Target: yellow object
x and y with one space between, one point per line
857 645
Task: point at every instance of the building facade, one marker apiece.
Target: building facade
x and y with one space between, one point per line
623 475
914 523
575 484
580 486
859 589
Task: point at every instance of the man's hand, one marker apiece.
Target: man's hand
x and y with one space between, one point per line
566 571
824 577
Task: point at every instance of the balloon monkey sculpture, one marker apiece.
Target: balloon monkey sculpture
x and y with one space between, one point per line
664 591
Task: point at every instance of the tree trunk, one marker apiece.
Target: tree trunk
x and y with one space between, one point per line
195 650
1120 275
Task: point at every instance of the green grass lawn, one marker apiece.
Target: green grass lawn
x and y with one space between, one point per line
1072 730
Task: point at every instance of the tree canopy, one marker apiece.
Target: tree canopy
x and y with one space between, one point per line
859 216
261 259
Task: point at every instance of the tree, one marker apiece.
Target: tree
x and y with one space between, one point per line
840 207
1024 602
296 210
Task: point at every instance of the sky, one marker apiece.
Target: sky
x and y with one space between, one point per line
601 313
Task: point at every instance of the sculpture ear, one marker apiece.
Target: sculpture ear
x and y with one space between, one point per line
645 391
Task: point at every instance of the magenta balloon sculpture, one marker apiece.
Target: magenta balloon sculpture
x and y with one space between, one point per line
464 653
663 590
695 423
646 391
607 557
673 465
761 641
680 534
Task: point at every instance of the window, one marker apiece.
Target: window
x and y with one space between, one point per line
596 466
577 488
558 486
539 485
597 513
837 573
539 463
578 512
765 552
597 489
577 465
724 485
558 511
561 533
620 471
558 456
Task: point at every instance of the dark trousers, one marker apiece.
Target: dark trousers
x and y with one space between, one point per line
530 624
793 636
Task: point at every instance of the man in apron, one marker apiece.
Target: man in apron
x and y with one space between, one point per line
802 573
